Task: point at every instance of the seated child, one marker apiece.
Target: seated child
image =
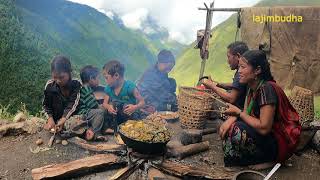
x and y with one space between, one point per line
92 117
122 100
61 94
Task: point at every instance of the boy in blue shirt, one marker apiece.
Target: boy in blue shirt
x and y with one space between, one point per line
122 100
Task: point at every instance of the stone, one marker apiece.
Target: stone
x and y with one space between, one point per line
64 142
39 142
20 117
316 141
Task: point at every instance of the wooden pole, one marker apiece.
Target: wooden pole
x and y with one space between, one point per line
221 9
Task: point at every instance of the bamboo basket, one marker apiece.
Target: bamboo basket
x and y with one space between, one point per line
302 100
195 107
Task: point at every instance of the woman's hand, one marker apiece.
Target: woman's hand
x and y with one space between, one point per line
209 83
232 110
129 109
224 128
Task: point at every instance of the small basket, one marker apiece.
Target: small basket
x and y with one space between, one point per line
195 107
302 100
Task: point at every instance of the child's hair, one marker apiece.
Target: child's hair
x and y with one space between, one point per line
88 72
61 64
113 67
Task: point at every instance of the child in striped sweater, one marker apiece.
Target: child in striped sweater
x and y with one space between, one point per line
92 117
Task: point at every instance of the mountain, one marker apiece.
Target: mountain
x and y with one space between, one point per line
85 35
187 68
156 36
34 31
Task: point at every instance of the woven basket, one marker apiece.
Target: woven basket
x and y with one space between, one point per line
302 100
194 107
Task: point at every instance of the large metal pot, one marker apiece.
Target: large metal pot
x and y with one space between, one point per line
144 147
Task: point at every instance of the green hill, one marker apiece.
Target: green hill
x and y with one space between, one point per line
34 31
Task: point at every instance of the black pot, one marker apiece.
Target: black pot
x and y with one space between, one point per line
144 147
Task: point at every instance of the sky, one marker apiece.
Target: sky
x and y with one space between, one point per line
180 17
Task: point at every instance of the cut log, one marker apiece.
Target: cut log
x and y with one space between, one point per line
155 174
124 173
185 171
316 141
101 147
209 131
191 136
74 168
12 127
304 139
181 152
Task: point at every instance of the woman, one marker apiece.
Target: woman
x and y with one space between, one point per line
268 128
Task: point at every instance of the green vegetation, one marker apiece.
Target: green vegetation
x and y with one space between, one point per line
34 31
23 62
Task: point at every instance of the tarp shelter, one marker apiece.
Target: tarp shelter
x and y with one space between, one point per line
295 46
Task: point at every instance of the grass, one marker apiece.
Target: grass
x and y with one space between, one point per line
5 113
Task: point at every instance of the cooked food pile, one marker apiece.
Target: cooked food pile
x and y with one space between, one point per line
146 131
167 115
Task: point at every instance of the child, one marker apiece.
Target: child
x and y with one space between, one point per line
61 94
91 116
123 99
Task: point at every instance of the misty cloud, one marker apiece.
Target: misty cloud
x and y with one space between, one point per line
181 17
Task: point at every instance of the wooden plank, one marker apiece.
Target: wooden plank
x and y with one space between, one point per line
75 167
124 173
101 147
155 174
185 171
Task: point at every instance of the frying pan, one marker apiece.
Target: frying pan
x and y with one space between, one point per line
143 147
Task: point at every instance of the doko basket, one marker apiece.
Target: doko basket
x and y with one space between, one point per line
194 106
302 100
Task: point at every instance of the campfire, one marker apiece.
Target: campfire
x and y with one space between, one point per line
129 160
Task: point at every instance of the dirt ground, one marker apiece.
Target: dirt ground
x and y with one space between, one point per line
17 160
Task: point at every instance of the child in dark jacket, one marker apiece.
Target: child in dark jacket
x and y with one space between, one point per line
61 94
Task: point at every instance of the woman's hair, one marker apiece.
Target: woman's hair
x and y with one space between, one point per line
113 67
258 58
61 64
88 72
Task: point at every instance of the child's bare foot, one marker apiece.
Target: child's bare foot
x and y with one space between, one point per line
89 135
101 138
49 125
108 131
